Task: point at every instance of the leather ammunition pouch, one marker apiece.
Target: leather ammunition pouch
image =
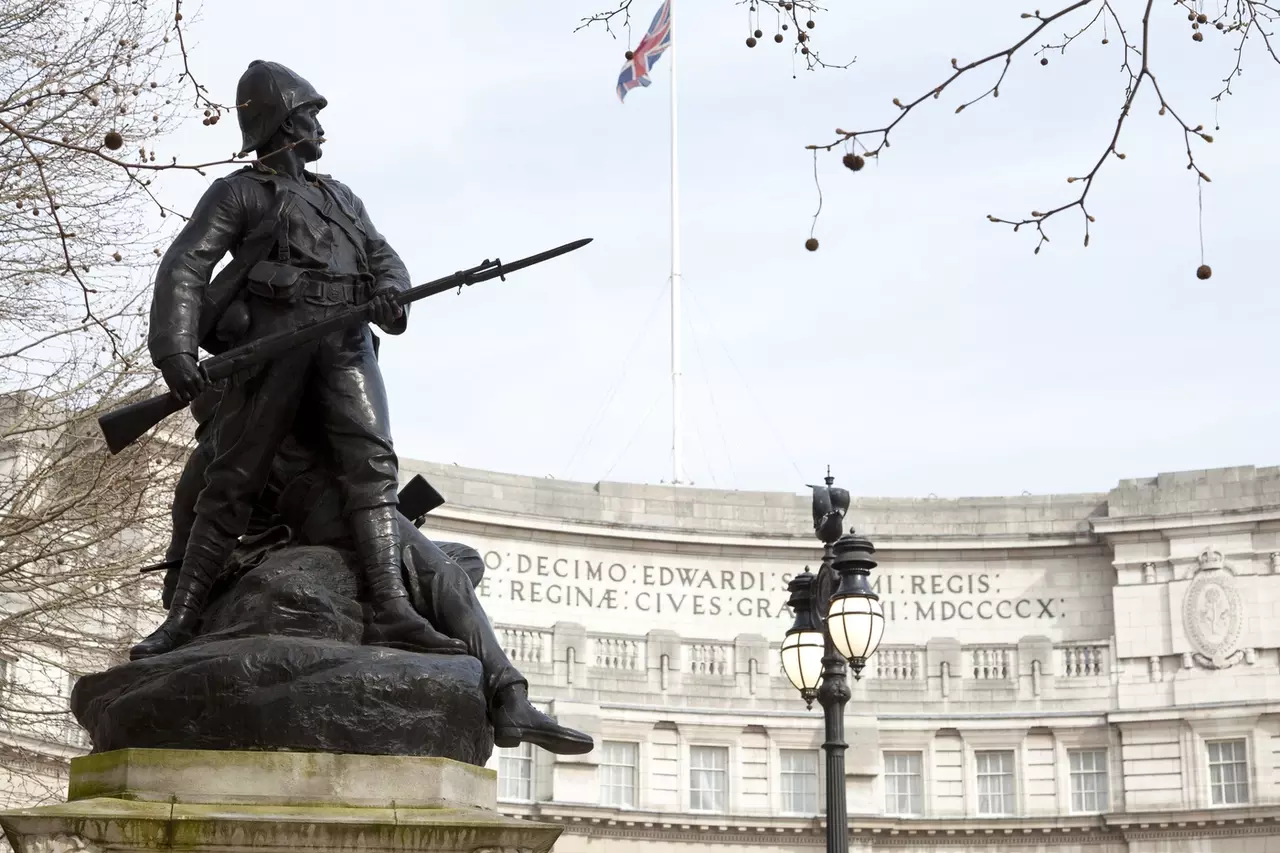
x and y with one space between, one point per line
274 282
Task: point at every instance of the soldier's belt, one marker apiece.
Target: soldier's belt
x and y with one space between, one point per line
276 282
328 289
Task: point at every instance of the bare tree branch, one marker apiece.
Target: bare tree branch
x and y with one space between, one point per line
82 82
1236 20
794 21
1241 17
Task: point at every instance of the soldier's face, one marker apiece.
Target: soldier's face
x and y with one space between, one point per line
306 128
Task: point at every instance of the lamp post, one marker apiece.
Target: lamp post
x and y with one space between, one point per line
838 619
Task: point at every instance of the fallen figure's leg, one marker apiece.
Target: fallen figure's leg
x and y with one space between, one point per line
450 603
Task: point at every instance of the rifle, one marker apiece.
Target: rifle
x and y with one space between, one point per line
125 425
416 499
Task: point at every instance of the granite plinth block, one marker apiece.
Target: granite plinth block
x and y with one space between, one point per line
145 800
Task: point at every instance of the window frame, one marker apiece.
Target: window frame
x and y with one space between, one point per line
529 761
1104 771
1245 761
919 795
1009 797
606 784
816 776
727 750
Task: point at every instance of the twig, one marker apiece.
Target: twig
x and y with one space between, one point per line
1038 218
1246 20
201 98
935 92
66 250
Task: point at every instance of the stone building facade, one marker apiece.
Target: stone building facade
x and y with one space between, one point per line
1093 672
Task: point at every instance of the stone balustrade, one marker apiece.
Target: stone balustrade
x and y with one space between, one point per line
1083 659
526 646
618 654
898 664
611 666
709 658
990 663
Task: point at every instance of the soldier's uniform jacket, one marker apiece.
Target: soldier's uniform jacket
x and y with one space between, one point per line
313 233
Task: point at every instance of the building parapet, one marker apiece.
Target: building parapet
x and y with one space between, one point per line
672 670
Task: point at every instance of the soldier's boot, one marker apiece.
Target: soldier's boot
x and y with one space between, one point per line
395 622
185 610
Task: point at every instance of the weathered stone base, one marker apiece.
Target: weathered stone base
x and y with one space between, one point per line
244 801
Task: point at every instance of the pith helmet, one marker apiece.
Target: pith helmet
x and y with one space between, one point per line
265 96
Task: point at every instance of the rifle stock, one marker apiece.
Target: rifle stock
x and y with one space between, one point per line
123 426
127 424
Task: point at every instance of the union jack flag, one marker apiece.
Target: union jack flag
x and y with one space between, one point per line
655 42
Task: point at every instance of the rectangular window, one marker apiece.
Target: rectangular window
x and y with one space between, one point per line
904 784
799 781
708 778
1228 772
995 783
1089 788
618 763
515 773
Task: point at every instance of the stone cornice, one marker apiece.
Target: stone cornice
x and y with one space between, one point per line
1178 713
1198 823
733 830
1185 520
500 522
668 517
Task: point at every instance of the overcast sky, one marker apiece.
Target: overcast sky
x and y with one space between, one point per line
922 350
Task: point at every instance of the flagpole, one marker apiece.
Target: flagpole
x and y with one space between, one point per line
677 449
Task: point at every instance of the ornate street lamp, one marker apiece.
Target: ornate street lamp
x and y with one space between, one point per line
838 619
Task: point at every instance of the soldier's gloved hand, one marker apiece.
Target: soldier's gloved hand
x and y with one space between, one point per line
182 374
383 309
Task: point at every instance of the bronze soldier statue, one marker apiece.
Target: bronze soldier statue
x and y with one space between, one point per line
310 252
302 503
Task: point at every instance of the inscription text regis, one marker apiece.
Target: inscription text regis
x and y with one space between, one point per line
605 584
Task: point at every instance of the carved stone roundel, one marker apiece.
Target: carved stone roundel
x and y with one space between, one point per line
1213 615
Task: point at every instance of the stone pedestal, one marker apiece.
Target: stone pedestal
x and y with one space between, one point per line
196 800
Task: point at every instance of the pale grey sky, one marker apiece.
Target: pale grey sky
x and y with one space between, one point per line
920 350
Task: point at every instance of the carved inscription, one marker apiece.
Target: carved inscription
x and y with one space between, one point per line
667 592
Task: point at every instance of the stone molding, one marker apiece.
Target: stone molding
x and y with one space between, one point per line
1112 828
1244 495
495 523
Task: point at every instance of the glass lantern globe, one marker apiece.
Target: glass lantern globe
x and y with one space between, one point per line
855 618
803 645
802 661
856 623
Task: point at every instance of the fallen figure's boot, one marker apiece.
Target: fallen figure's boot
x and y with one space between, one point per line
516 721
